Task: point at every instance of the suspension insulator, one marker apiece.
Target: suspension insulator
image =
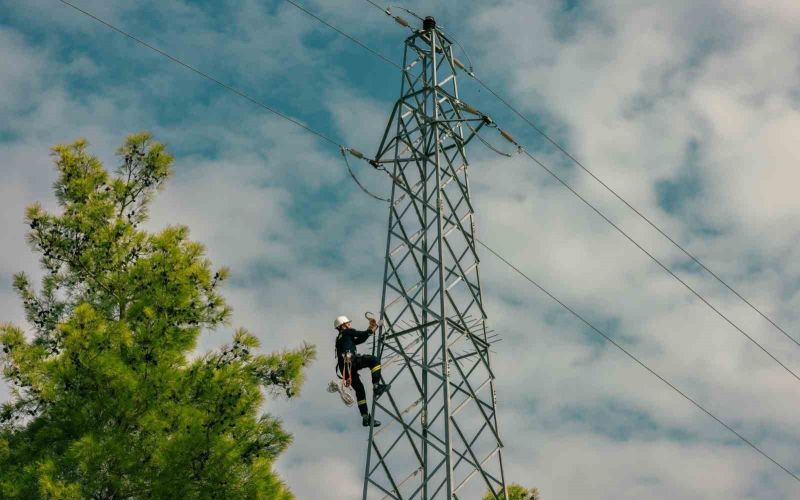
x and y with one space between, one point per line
507 136
402 22
469 109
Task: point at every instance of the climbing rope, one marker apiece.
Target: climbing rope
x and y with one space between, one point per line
344 393
343 386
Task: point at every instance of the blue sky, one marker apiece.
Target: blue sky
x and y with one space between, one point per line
690 110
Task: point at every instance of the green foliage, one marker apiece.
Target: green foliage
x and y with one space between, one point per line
516 492
106 401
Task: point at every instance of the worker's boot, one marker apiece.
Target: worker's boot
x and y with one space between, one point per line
379 388
367 419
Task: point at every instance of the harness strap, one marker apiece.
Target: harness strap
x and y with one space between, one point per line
347 376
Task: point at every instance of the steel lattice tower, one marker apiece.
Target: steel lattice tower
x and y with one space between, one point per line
439 437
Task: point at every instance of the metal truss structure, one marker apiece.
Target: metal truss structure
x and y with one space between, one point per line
439 437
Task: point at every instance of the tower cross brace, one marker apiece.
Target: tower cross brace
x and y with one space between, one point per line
440 437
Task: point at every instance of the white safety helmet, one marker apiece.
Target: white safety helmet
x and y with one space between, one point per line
341 320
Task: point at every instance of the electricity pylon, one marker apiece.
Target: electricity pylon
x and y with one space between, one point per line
439 437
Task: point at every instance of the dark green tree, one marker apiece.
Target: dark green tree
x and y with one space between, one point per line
109 399
517 492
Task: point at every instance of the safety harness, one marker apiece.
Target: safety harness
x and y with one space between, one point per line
347 372
345 375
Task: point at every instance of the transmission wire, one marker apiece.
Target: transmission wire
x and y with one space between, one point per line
590 325
376 6
346 35
661 264
355 179
488 145
204 75
652 224
626 352
635 210
621 231
235 91
496 254
636 359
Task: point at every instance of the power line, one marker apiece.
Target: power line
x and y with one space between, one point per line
622 349
637 360
204 75
235 90
661 264
652 224
635 210
369 193
601 214
629 354
496 254
615 226
375 5
611 190
346 35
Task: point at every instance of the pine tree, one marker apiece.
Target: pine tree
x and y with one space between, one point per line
109 398
517 492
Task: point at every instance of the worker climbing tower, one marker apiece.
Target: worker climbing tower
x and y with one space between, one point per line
439 437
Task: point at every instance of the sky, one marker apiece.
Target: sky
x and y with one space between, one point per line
688 109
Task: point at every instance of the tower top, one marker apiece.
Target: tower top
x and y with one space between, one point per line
428 23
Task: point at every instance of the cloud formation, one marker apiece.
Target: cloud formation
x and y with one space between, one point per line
689 110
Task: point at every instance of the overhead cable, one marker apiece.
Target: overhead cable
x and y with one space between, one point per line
237 91
660 264
375 5
611 190
346 35
631 356
204 75
636 211
637 360
621 231
358 154
508 263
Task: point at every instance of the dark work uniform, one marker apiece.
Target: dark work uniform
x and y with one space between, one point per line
346 342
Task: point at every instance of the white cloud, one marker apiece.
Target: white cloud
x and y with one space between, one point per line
626 85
